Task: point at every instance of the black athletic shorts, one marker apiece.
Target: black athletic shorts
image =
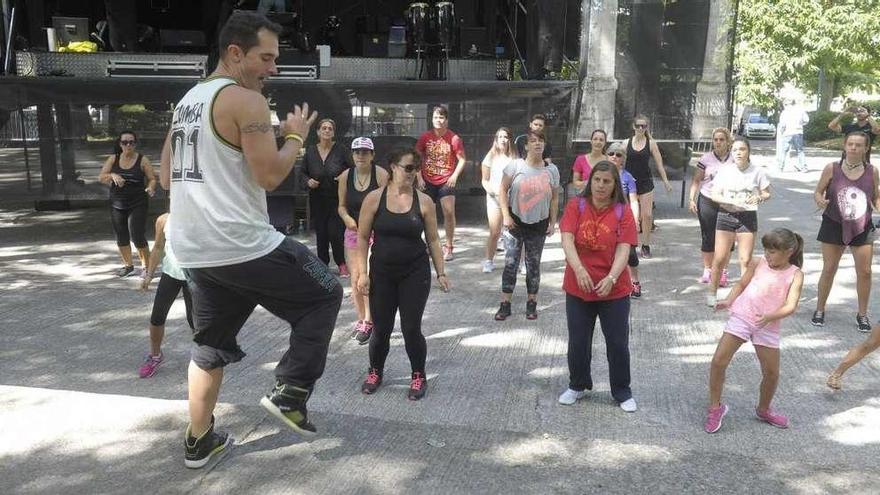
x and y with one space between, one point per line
830 232
436 192
740 222
644 186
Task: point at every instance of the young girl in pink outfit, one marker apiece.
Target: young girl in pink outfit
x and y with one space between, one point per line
768 292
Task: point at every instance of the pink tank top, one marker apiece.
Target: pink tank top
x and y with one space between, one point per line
765 293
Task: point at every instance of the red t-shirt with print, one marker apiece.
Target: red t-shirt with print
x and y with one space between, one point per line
596 235
439 155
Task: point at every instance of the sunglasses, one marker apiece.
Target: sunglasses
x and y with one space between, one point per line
641 126
410 168
617 154
127 143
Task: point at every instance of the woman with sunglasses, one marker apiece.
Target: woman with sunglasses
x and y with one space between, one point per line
529 197
639 150
617 156
701 203
353 186
321 165
493 170
132 181
398 215
580 171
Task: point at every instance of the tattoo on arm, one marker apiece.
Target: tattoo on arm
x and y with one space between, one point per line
255 127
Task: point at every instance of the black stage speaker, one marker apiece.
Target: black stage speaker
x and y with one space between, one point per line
374 45
182 41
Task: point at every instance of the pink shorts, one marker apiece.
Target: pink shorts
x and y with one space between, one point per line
746 330
350 239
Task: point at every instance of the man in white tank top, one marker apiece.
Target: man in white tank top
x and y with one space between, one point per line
218 161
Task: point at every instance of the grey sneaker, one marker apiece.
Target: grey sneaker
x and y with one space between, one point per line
199 451
818 319
864 324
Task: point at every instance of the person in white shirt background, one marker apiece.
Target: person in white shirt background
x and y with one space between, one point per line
790 135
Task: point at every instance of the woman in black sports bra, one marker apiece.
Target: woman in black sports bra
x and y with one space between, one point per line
400 275
637 165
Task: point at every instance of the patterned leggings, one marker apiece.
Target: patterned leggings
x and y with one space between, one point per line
515 240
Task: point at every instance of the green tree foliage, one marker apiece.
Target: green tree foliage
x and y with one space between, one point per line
795 40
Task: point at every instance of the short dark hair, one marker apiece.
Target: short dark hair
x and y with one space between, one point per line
536 135
606 166
539 116
241 30
441 110
117 147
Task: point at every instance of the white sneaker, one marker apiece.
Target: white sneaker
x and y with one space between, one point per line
522 268
711 300
570 396
488 266
629 405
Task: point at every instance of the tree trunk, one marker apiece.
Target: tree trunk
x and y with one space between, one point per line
827 88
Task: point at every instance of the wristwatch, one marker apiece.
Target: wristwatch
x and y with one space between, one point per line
613 279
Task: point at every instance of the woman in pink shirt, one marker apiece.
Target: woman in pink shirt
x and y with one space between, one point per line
582 167
767 292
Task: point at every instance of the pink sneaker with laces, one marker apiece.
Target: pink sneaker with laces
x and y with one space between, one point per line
151 364
707 276
715 417
343 271
772 417
723 281
363 332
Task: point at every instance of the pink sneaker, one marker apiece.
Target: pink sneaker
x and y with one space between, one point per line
772 417
707 276
715 417
723 281
364 332
343 271
151 364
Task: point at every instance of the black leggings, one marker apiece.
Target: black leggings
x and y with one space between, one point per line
130 225
517 240
328 228
707 212
166 293
405 289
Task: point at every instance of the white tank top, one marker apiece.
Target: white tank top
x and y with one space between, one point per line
219 210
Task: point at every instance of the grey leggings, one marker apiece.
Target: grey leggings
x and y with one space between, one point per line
515 240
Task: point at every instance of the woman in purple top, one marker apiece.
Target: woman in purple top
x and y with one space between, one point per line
847 191
617 156
701 204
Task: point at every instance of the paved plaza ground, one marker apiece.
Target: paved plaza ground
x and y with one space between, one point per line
76 419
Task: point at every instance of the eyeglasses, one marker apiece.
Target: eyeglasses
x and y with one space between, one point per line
617 154
127 143
641 126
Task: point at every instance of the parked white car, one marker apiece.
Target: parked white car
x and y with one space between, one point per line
757 126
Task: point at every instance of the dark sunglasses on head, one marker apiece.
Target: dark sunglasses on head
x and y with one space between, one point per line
127 143
617 154
641 126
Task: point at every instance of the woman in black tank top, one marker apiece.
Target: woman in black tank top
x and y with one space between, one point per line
131 180
353 185
637 165
398 215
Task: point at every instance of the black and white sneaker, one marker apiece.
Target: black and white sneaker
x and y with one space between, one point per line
199 451
288 403
124 271
864 324
818 319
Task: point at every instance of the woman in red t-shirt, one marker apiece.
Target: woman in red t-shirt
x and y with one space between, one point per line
598 230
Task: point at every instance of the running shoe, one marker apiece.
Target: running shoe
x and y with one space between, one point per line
488 266
636 291
569 397
364 332
646 251
417 386
151 364
715 418
343 271
707 276
629 405
723 281
522 268
371 384
834 381
288 403
531 310
199 451
124 271
356 328
772 417
818 319
864 324
503 311
447 253
711 300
